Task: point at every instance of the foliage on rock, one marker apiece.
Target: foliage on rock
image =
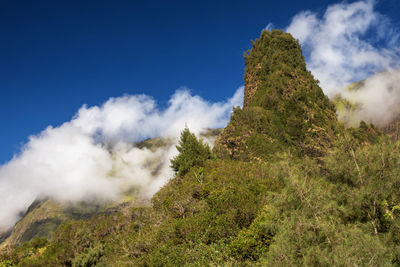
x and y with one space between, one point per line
284 107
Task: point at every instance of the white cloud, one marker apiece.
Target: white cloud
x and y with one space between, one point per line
348 43
73 162
378 99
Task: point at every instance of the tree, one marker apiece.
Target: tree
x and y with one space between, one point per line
192 152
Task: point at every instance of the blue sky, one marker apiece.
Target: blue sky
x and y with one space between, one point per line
56 56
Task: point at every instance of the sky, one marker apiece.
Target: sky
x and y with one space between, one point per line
56 56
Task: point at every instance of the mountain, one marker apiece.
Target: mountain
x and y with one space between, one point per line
283 105
286 184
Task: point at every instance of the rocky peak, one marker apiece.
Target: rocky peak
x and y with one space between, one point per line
274 55
283 104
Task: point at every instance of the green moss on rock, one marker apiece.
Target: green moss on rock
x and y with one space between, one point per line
283 105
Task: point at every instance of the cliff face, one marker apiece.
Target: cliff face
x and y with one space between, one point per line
275 67
283 104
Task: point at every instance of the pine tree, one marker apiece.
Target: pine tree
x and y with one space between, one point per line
192 152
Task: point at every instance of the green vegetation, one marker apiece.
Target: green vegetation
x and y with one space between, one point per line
289 186
192 152
284 108
44 216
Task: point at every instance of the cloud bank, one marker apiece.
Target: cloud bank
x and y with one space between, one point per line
93 156
377 100
348 43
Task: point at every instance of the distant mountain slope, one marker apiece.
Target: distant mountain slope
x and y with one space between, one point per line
44 216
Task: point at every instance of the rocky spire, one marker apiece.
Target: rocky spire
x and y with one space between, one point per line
284 107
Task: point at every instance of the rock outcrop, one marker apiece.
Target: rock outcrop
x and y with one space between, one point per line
283 108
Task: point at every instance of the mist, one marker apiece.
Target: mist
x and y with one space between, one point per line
93 158
377 101
351 42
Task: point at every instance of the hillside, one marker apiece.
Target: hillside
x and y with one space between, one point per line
285 185
44 215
